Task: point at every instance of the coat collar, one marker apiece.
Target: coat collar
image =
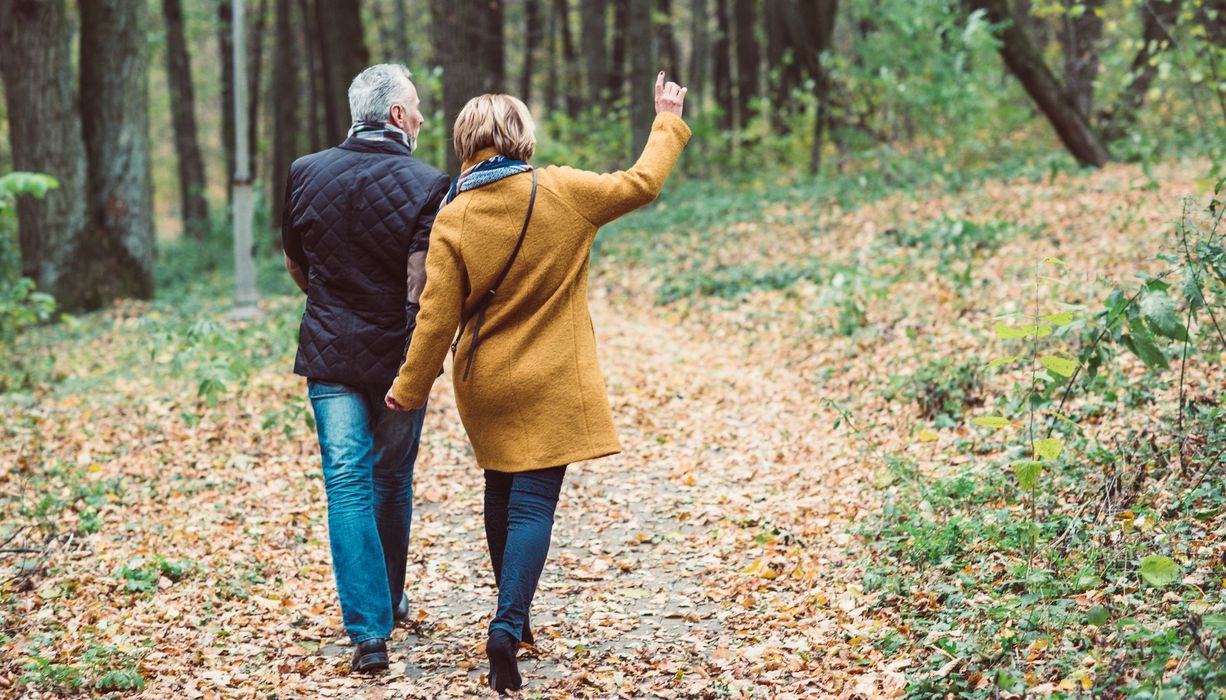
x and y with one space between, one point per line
479 156
389 146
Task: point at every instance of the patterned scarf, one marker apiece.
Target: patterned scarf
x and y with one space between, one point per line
490 170
378 131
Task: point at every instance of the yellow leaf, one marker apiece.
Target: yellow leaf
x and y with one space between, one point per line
928 436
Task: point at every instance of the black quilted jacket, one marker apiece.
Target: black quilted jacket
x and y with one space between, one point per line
353 215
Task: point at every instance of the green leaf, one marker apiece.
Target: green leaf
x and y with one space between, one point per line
1159 309
1004 360
1159 571
1062 318
1054 261
1060 365
1214 622
1097 616
1028 472
1006 332
1048 448
994 422
1141 343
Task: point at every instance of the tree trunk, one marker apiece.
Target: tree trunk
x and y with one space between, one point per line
551 67
700 55
285 110
642 73
819 18
1026 63
748 59
592 15
314 70
401 31
115 125
532 42
1212 16
810 31
225 50
195 208
617 59
469 46
569 68
785 72
45 133
1079 37
255 54
721 71
344 55
666 43
1157 18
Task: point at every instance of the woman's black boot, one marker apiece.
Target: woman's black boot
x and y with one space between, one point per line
500 648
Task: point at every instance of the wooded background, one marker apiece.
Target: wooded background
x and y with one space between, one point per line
128 105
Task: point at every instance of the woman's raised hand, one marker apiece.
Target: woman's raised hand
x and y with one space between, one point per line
670 97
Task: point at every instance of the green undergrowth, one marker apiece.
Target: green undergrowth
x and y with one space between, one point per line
1068 541
694 240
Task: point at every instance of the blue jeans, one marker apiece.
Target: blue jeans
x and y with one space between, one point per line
368 453
519 512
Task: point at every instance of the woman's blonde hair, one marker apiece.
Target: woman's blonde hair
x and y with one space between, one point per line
499 121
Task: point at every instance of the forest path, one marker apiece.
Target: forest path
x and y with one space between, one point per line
713 558
676 569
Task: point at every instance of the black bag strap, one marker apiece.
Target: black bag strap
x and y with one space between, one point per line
479 308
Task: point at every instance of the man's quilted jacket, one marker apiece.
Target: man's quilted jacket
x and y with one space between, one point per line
353 215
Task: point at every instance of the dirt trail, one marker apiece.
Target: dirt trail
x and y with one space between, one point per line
658 583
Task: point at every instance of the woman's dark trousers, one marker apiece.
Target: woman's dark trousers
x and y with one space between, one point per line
519 512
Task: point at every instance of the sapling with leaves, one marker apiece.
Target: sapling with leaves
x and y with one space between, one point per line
1048 365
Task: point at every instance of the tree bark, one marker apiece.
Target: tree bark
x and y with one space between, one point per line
551 65
617 58
532 42
1157 18
225 50
342 48
194 206
700 54
569 68
285 83
721 69
592 16
401 32
783 62
317 129
1079 37
810 31
115 125
748 59
469 46
255 54
45 133
642 73
1026 63
666 43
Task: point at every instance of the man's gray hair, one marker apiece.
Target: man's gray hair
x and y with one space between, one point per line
376 89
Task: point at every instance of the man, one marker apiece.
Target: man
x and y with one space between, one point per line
355 231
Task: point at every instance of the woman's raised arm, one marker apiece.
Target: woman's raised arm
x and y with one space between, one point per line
601 198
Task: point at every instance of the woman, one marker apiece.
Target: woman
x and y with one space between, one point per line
508 267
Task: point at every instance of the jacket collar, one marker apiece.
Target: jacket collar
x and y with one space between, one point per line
361 145
479 156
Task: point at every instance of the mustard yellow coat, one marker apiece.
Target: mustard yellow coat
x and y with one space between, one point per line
535 397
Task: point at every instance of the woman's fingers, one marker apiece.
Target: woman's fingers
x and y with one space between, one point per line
669 96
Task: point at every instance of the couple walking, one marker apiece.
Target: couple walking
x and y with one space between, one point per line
397 262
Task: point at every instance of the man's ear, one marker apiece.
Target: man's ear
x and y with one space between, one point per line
398 122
